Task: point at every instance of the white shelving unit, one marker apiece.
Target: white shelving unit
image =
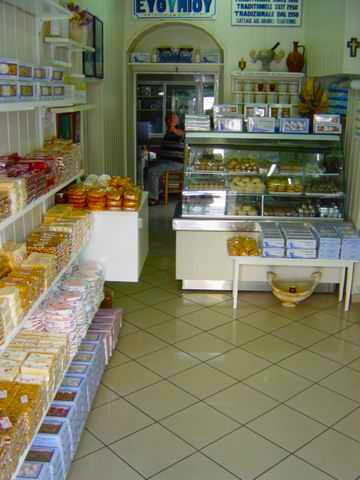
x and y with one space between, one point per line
69 44
22 123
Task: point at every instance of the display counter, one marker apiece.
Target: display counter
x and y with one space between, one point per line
234 182
120 242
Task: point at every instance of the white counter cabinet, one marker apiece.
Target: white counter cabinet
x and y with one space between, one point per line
120 243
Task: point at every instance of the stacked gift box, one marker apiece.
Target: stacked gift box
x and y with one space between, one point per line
350 242
273 242
54 447
329 242
300 241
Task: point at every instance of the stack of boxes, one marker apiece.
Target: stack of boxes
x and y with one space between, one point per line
273 242
329 242
350 249
300 241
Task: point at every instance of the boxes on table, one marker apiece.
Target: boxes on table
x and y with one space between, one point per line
32 470
300 241
329 241
273 242
350 242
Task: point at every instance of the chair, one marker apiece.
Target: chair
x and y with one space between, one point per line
172 182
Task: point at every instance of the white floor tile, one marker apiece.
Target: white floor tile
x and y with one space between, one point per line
350 425
152 450
88 444
301 311
236 333
337 350
271 348
351 334
326 322
353 315
127 329
200 425
243 309
205 319
239 364
355 365
245 454
179 307
202 381
197 467
286 428
346 382
168 361
128 378
128 304
204 346
266 321
117 359
295 469
131 288
102 464
154 296
278 383
322 405
140 344
322 301
103 396
259 299
242 403
310 365
335 454
161 400
163 262
174 331
158 279
207 299
300 335
116 420
147 317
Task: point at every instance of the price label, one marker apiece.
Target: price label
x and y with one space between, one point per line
24 399
3 394
5 423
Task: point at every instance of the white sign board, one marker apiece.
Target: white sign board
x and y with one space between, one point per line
195 9
267 13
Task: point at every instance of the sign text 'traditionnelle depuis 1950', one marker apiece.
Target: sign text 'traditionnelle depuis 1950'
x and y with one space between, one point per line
197 9
267 13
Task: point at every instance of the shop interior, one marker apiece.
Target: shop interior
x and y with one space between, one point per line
209 333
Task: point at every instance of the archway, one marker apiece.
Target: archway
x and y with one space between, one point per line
165 34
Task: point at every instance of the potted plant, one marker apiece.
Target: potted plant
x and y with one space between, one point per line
78 23
313 100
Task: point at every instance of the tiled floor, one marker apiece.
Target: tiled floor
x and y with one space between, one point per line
195 391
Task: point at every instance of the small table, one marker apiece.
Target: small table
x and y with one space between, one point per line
346 267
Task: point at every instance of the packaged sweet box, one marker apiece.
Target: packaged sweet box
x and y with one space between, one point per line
69 415
56 433
32 470
51 458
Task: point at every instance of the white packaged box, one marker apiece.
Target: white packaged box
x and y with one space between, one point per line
140 57
301 243
273 242
327 128
305 254
261 125
273 252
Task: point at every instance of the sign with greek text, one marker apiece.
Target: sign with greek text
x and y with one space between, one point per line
195 9
267 13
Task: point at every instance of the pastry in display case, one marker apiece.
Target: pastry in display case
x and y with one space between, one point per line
271 176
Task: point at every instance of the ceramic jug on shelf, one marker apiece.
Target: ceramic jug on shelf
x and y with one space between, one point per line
296 60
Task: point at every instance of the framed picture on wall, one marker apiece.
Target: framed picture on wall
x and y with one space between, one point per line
93 62
99 48
89 57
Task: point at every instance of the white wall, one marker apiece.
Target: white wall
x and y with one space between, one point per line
105 131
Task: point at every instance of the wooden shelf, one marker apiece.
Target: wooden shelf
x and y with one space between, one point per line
43 9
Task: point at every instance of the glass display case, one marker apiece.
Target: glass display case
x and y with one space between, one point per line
263 176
